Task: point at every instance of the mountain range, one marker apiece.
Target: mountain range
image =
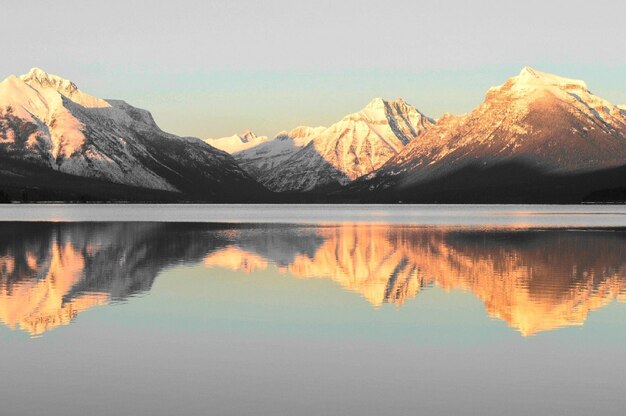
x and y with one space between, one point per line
356 145
534 129
536 138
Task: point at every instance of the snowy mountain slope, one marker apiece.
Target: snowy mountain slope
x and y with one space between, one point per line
261 160
47 120
358 144
548 123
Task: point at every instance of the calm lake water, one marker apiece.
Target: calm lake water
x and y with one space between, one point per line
312 310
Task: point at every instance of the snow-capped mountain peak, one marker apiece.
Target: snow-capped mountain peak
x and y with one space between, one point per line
532 90
41 80
531 83
394 122
376 103
532 77
378 110
379 103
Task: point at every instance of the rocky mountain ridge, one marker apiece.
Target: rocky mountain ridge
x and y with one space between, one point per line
356 145
538 137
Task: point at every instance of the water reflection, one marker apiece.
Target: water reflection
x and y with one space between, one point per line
534 280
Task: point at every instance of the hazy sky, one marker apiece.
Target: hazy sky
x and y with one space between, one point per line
213 68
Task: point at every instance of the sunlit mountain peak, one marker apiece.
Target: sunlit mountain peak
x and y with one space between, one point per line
44 79
40 79
377 102
531 77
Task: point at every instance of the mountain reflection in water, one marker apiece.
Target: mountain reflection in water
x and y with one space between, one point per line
535 280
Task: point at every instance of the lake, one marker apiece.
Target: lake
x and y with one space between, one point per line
312 310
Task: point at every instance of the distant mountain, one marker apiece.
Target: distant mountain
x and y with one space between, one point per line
237 142
262 159
50 132
527 137
357 145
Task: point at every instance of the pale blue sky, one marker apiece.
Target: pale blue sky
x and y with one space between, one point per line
213 68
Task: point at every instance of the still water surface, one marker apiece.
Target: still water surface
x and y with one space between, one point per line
344 310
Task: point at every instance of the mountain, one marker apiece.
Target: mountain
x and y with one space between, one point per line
237 142
527 137
262 159
358 144
536 138
58 141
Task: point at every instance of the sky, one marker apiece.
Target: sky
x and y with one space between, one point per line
214 68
